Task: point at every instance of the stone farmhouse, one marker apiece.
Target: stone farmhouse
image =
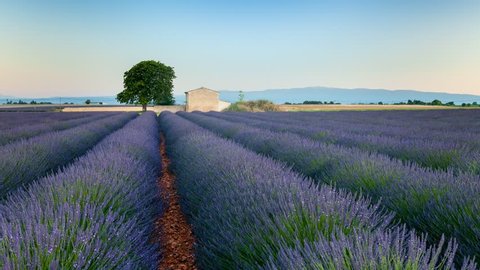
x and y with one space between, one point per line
204 99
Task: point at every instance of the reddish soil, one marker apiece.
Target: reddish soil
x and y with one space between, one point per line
173 231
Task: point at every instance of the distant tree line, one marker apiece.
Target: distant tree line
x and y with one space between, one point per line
33 102
88 102
436 102
473 104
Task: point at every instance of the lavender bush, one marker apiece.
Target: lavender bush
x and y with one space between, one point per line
26 160
251 212
438 149
25 132
97 213
402 124
10 120
437 203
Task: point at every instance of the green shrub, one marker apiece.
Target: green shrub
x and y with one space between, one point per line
260 105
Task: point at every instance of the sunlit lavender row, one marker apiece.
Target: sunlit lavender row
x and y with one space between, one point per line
433 202
448 147
251 212
23 161
97 213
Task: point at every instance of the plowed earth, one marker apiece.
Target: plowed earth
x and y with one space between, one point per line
175 234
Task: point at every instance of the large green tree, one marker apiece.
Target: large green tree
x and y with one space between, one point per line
147 82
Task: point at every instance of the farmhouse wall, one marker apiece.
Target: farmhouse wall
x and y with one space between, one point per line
204 99
222 105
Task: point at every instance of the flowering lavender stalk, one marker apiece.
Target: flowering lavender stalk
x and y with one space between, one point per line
251 212
98 213
25 132
26 160
437 203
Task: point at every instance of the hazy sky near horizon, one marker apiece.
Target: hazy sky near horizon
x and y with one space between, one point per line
82 48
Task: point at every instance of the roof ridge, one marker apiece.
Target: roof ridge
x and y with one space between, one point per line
202 88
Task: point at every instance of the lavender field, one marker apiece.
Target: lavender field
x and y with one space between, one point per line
305 190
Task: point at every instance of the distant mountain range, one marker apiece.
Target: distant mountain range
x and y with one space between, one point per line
347 96
296 95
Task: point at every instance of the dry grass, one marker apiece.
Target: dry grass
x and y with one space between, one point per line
157 109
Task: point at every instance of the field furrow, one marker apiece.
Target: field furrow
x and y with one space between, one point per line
173 232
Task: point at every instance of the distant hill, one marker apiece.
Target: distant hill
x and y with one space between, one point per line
347 96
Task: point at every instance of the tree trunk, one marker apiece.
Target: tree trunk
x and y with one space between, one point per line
144 107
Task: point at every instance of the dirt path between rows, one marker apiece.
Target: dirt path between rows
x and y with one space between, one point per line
174 233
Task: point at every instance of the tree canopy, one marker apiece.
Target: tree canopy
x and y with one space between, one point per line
148 82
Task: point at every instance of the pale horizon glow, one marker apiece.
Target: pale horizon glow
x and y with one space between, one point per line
67 48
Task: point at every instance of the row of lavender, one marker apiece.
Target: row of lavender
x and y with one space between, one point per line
437 203
251 212
10 120
456 121
28 131
444 149
23 161
98 213
444 125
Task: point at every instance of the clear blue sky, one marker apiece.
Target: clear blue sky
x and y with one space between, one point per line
80 48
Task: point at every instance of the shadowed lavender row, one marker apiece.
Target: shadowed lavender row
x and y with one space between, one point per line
97 213
25 132
458 156
26 160
436 203
251 212
10 120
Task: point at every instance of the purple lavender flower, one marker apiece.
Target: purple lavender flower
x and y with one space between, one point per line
97 213
23 161
251 212
434 202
